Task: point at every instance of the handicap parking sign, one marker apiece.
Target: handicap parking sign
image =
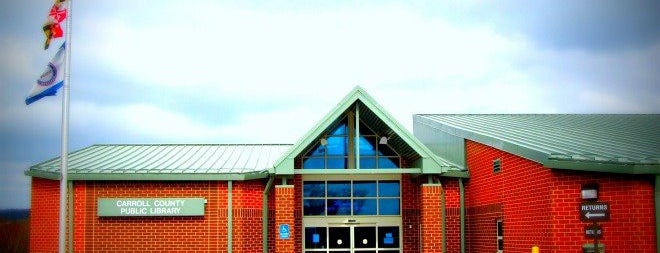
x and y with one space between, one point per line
284 231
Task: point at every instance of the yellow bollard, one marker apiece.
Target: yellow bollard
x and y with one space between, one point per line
535 249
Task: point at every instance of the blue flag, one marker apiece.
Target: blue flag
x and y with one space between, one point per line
51 80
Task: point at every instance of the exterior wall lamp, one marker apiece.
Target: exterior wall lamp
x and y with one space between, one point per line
589 191
383 140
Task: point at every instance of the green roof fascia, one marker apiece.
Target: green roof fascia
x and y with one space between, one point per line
284 165
544 158
456 173
356 172
150 176
594 166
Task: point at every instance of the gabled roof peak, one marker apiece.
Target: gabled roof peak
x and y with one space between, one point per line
425 159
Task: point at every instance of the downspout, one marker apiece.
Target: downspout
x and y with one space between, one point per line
264 214
230 216
461 189
657 216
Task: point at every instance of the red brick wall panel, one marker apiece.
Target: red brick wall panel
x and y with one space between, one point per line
519 194
430 217
284 214
410 215
44 215
452 214
150 234
632 218
247 215
539 206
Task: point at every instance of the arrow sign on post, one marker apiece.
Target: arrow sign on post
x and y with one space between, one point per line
594 211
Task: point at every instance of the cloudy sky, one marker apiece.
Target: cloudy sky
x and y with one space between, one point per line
266 71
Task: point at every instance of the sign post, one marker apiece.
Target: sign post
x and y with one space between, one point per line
594 212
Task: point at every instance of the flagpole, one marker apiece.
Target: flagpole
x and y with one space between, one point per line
65 133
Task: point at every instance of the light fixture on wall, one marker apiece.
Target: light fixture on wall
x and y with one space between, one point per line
589 191
324 141
383 140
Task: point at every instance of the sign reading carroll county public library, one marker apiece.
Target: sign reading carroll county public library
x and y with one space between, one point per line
150 207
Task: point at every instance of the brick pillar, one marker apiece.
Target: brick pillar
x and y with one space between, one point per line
284 207
431 218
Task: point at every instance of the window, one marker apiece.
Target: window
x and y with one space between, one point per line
500 236
496 165
351 198
335 150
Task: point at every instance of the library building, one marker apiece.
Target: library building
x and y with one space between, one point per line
359 182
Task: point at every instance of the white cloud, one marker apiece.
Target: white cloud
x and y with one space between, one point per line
221 49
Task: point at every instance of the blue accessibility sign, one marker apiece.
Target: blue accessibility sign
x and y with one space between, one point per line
285 233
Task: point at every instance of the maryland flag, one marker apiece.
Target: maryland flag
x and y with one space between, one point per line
52 28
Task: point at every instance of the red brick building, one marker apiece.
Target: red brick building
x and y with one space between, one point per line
356 182
526 174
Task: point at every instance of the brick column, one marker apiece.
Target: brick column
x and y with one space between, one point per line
431 218
284 207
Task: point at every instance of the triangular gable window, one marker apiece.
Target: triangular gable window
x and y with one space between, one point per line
336 150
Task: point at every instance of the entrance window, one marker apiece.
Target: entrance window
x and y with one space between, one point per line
337 151
353 239
351 198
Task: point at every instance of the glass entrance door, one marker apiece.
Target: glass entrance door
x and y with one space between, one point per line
353 239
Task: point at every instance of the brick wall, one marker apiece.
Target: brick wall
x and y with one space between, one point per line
430 217
247 215
519 194
284 215
410 214
631 226
452 214
44 215
539 206
150 234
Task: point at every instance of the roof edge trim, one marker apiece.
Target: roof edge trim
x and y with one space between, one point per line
635 169
150 177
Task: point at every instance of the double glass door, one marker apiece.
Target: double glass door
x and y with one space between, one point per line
353 239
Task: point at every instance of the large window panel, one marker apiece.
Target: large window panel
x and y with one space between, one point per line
331 150
339 207
364 188
337 162
389 207
314 189
314 207
368 162
314 163
348 198
389 188
368 145
388 162
365 206
339 189
337 146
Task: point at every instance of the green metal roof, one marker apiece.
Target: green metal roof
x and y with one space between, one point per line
166 162
382 122
619 143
